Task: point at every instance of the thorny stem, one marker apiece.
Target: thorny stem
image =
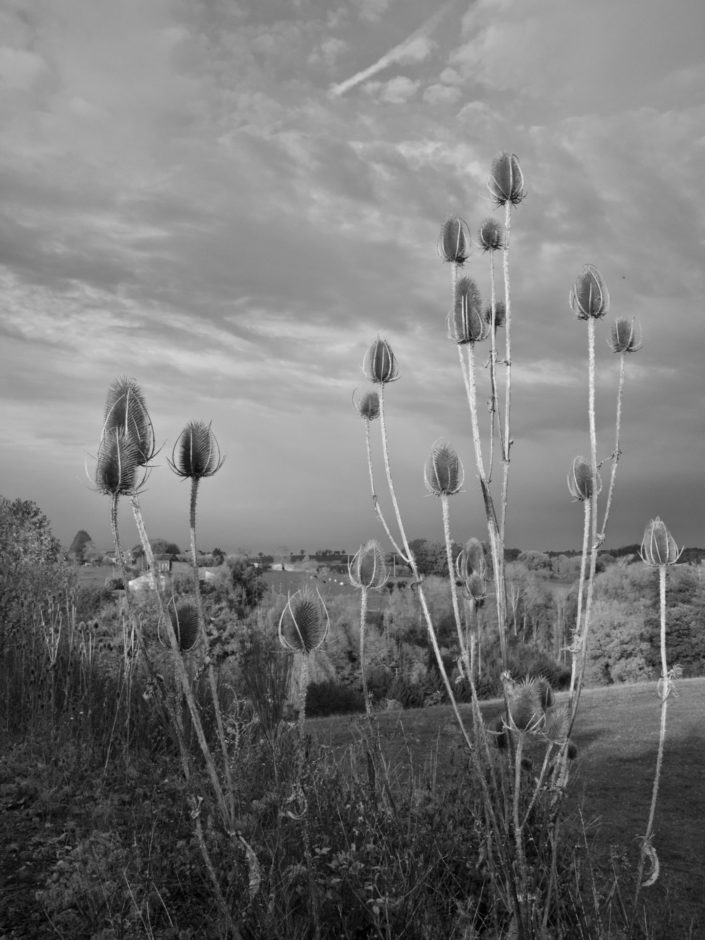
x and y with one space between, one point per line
506 457
518 830
617 451
494 401
468 370
665 689
202 627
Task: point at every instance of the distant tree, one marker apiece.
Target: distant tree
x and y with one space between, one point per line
246 586
171 548
25 533
218 556
431 558
77 549
535 561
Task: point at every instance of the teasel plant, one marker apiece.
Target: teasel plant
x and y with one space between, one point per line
658 550
196 456
367 571
126 447
381 368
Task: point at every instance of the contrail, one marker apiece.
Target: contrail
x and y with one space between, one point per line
426 28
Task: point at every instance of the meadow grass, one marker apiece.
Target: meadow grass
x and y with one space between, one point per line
617 737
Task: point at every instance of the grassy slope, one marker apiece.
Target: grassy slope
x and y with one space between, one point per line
617 735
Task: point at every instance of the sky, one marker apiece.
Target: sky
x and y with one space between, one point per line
230 201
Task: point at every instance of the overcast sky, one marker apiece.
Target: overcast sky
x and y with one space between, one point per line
229 201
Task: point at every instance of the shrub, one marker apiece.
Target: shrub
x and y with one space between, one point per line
332 698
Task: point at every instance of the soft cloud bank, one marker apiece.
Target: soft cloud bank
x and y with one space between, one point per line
231 201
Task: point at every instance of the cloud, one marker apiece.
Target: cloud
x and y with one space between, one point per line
414 48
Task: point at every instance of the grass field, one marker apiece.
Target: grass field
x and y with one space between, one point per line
44 811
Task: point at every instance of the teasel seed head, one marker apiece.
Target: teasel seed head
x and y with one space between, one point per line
454 241
625 336
367 569
476 589
493 235
119 468
466 323
500 314
471 560
443 471
580 480
304 623
589 296
527 702
184 622
380 364
506 183
126 410
658 547
196 453
367 406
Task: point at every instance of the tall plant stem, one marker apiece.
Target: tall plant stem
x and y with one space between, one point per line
375 500
462 643
411 561
594 545
494 400
363 627
506 440
665 689
204 637
493 532
181 670
617 452
575 645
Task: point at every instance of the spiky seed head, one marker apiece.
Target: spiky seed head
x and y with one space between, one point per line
184 622
196 453
380 364
526 702
443 472
580 480
589 296
466 323
500 314
493 235
625 336
658 547
506 183
119 468
367 406
471 560
454 240
476 588
367 569
126 410
304 623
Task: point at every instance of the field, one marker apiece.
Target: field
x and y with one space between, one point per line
45 812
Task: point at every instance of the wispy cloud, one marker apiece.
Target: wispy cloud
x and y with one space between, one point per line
415 48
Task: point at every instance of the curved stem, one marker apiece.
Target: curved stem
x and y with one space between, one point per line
665 689
204 638
375 500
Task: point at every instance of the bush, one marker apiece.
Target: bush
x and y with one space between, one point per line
332 698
